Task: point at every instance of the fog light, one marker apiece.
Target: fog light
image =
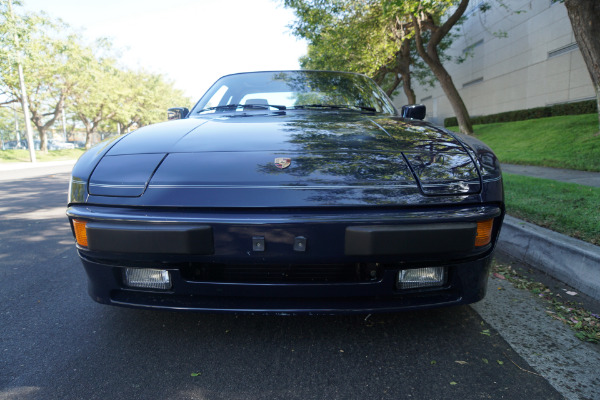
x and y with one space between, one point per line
421 277
147 278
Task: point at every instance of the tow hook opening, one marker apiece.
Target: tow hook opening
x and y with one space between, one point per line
370 272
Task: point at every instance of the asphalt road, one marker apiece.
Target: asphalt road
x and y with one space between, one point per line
56 343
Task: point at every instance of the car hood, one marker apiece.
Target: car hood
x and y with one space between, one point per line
335 159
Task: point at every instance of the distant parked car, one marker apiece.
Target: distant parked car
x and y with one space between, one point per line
59 145
10 145
78 144
288 192
37 145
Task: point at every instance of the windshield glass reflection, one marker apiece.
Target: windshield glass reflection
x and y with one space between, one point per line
285 90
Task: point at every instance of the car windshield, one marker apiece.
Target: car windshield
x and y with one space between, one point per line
300 90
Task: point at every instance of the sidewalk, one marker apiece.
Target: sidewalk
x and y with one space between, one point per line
570 260
558 174
25 170
12 166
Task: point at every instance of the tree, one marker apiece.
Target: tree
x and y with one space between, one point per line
52 61
353 35
56 67
11 53
7 124
96 97
382 38
429 23
399 69
61 69
585 20
144 99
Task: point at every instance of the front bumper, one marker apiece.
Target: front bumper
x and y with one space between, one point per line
466 284
196 247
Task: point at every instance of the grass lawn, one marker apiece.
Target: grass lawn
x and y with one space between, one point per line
570 141
53 155
567 208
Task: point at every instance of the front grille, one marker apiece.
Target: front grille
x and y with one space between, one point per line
296 273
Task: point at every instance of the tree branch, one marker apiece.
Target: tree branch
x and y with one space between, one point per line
443 30
419 41
9 102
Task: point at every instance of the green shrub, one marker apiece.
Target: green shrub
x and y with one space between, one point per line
580 107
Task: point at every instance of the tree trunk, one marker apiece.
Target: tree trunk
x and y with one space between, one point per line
36 118
391 89
90 128
88 140
408 90
431 57
42 128
458 106
585 20
89 131
404 62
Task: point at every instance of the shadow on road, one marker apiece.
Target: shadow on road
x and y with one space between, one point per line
436 354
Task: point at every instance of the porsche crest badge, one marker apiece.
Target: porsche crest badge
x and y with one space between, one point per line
281 162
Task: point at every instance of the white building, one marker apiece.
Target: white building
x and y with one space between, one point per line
538 63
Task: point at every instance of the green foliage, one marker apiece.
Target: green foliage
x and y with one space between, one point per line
349 35
7 124
577 108
567 208
359 36
145 98
96 97
376 37
436 8
51 59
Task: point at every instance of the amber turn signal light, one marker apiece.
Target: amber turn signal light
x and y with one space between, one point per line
484 232
80 232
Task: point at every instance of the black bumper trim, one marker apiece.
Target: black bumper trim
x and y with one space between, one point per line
153 239
410 239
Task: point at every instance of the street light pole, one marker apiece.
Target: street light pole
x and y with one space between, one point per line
24 102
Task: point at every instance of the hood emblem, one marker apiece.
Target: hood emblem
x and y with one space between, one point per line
281 162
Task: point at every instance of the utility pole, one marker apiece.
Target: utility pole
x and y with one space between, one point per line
64 124
24 102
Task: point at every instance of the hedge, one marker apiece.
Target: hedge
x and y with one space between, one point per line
580 107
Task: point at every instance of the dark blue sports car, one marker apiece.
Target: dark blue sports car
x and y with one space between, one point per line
288 192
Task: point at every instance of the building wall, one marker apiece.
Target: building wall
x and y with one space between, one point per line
538 63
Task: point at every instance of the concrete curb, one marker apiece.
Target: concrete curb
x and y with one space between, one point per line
569 260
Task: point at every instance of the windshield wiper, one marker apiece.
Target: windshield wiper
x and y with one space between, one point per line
334 107
225 107
245 106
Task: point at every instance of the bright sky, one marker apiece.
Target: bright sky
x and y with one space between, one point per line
192 42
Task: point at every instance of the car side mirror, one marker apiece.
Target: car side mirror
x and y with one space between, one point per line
177 113
414 111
